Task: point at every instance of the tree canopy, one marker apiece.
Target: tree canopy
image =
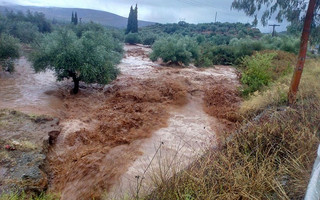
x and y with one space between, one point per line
35 18
90 58
291 10
9 50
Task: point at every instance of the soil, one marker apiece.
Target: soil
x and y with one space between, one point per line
24 143
109 134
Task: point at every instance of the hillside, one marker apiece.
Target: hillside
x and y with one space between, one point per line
87 15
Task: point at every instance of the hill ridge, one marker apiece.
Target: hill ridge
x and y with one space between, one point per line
64 14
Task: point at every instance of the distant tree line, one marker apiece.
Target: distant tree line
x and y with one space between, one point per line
37 19
238 30
16 27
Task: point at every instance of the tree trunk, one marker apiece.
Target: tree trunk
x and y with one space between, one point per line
302 55
76 84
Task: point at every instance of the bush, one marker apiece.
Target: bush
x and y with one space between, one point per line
200 39
175 50
25 31
246 46
283 63
9 50
83 27
291 45
149 39
132 38
216 55
257 73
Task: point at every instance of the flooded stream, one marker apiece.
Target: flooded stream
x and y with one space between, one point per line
98 154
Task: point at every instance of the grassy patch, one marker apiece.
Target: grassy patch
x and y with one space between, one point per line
23 196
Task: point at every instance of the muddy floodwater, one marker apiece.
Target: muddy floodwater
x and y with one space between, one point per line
29 92
149 121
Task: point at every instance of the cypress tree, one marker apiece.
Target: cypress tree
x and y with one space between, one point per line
75 19
130 21
72 18
135 20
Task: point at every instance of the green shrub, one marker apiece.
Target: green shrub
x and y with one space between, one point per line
204 61
9 50
257 73
291 45
246 46
83 27
283 63
285 43
222 55
24 196
25 31
132 38
175 50
200 39
148 39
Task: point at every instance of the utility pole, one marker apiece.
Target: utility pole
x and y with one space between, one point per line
274 29
302 54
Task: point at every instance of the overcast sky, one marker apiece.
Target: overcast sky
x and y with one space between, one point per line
162 11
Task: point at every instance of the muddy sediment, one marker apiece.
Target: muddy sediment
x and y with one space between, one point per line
109 134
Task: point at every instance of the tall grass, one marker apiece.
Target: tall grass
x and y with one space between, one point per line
269 157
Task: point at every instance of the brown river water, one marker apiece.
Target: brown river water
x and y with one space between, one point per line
29 92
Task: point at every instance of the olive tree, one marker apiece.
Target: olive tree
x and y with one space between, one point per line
91 58
9 50
175 49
